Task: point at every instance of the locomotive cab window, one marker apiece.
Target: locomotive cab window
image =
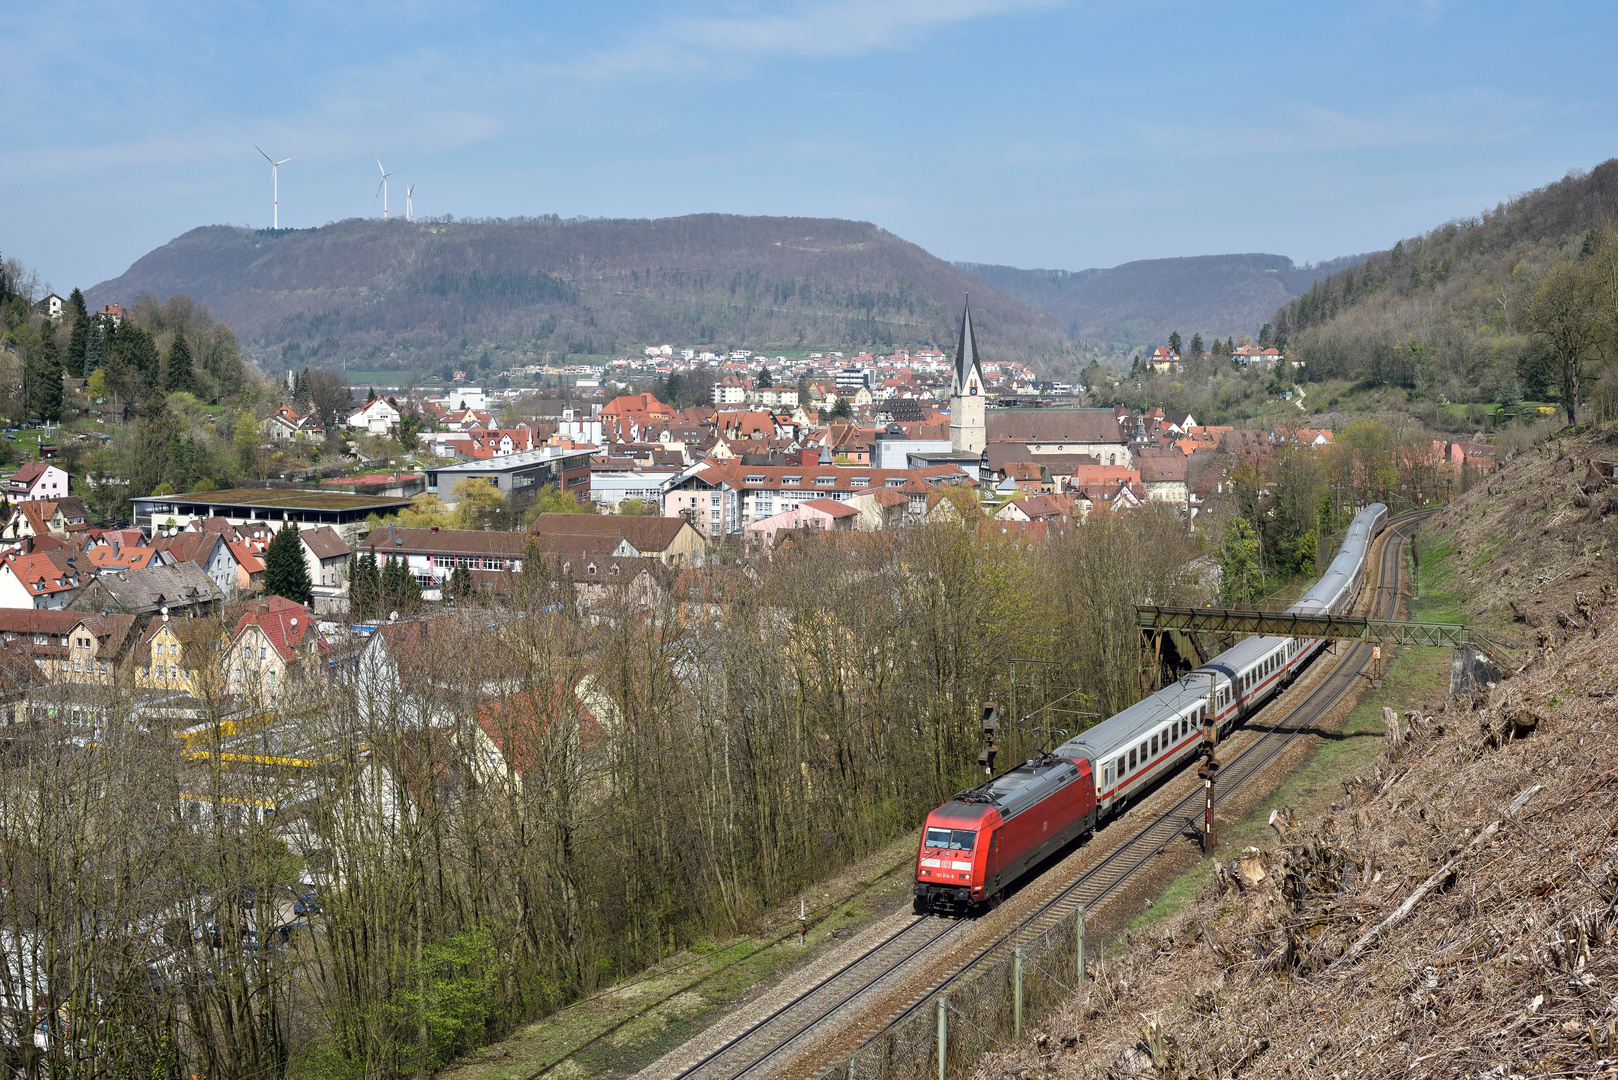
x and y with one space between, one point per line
951 839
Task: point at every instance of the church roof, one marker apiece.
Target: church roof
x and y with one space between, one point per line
967 362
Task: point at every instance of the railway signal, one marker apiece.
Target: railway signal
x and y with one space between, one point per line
991 725
1207 771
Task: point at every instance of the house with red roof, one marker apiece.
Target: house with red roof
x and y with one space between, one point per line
36 581
825 515
275 646
37 480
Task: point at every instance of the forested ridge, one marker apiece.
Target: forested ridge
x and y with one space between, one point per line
1138 304
1490 308
483 295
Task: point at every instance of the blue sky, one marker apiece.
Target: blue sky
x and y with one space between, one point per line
1030 132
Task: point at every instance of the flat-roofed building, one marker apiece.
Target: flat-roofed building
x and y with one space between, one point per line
243 506
519 474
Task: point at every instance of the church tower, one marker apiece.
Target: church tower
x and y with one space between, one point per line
968 433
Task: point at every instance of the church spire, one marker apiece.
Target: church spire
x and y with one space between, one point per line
968 372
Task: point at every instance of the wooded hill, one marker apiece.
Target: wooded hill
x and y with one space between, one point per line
1450 314
481 295
1138 304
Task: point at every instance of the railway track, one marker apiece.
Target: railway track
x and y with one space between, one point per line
751 1052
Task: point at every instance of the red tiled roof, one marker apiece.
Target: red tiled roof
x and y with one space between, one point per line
286 624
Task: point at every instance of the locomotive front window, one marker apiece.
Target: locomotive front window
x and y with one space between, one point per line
951 839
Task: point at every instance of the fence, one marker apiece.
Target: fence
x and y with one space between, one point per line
983 1008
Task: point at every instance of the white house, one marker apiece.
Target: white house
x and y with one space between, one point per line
377 418
37 480
51 307
34 581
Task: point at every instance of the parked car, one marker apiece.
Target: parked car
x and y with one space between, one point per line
307 904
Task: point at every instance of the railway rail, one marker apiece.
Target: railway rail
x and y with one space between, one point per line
751 1051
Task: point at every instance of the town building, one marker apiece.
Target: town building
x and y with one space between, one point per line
380 417
722 498
273 647
247 506
669 540
37 480
519 474
1095 432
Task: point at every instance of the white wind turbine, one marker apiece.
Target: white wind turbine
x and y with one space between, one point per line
275 181
410 211
382 188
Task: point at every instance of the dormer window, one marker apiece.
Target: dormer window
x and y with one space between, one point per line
753 479
860 481
825 481
791 481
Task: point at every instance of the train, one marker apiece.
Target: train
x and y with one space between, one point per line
982 841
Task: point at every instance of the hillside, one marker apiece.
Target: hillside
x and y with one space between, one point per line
481 295
1447 315
1137 304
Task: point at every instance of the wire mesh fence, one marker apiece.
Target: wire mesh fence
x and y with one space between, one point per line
981 1009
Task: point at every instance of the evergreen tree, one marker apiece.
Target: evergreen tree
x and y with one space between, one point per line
460 583
139 354
300 391
177 376
1196 346
764 382
285 571
400 590
155 432
45 386
364 587
79 339
1174 342
95 347
1264 336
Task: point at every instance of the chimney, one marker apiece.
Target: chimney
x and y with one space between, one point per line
391 540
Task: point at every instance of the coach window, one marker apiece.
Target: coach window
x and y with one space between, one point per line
1132 761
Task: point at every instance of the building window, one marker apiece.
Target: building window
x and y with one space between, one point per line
236 674
263 652
174 671
77 665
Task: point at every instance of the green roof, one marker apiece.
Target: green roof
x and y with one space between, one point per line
284 500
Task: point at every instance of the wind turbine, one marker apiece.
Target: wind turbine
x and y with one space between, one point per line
410 211
275 181
383 188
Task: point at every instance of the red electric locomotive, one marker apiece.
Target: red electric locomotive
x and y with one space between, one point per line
978 843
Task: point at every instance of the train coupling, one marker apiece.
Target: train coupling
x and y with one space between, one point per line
943 900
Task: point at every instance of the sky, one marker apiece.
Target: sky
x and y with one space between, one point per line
1052 133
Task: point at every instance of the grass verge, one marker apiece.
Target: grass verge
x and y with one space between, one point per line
725 974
